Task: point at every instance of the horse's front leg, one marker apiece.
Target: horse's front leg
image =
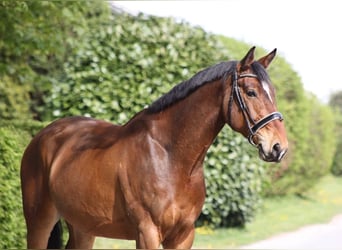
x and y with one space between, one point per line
79 239
182 240
148 236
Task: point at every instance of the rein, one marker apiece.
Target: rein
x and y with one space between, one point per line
253 126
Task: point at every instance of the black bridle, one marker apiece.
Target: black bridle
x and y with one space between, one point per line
253 126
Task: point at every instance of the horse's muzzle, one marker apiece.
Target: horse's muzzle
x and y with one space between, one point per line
276 154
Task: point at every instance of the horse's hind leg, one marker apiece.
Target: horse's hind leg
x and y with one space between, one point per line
40 213
39 226
78 239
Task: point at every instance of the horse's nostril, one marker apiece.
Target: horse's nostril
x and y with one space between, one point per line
276 147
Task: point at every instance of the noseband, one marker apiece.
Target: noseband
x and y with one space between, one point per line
253 126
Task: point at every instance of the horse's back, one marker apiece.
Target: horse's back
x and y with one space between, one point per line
81 132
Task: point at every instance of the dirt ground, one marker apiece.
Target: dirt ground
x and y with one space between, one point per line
318 236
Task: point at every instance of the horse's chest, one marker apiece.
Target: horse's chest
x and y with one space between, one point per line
183 203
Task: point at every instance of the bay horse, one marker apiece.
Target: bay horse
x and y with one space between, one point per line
144 180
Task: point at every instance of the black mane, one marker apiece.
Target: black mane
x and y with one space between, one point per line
185 88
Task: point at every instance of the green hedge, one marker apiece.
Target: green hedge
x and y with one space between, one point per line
14 99
31 127
15 136
126 64
234 177
12 227
35 39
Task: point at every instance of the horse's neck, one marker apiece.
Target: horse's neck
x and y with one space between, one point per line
189 127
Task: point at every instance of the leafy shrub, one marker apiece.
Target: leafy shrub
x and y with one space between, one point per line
12 227
233 181
32 59
322 138
14 99
128 63
31 127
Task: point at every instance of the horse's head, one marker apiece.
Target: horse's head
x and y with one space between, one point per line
252 107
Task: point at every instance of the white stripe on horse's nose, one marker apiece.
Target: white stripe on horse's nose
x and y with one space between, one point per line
267 90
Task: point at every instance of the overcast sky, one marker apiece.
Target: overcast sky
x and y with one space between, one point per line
306 33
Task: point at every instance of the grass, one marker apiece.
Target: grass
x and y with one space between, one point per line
278 215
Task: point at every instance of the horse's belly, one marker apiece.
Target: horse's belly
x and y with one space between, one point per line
92 203
100 221
118 230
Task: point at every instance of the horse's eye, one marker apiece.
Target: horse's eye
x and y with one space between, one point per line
251 93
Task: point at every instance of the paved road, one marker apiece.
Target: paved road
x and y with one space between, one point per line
319 236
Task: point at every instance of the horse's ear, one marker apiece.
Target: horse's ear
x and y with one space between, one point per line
248 59
266 60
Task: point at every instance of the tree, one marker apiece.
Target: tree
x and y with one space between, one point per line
336 103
